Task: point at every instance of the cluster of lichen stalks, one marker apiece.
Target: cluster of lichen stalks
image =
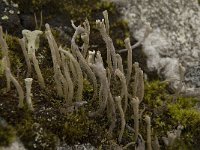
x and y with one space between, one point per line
72 66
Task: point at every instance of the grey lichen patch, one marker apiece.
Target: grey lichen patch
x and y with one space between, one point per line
192 76
175 35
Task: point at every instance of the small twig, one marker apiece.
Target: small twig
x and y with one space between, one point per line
132 47
73 25
146 34
129 144
36 23
41 20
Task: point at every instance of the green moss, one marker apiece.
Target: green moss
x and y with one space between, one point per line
167 115
80 128
13 43
36 136
43 128
87 90
15 56
14 52
185 113
156 93
33 132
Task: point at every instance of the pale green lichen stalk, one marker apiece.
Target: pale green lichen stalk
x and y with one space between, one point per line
28 83
32 43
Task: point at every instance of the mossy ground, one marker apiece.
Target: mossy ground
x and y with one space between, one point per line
49 125
168 114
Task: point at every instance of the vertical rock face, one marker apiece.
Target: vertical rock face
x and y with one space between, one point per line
175 37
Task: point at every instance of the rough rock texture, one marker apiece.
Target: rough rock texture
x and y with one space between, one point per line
175 37
17 145
77 147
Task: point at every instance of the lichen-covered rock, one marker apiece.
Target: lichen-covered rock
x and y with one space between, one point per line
175 37
9 18
195 73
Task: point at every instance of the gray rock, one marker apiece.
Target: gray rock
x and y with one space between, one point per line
175 36
77 147
192 76
17 145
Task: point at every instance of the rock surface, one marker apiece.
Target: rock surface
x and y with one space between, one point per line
175 37
77 147
17 145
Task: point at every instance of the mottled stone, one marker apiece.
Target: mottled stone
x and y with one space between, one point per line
192 76
175 36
